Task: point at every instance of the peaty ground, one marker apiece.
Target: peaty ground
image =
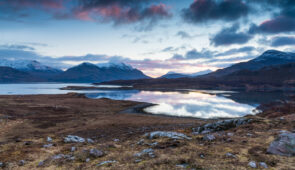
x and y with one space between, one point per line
27 121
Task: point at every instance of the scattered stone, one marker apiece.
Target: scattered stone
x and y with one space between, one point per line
209 137
146 152
263 165
41 163
154 144
95 153
87 160
59 156
73 149
73 139
249 134
252 164
221 125
21 162
116 140
137 160
284 145
49 139
90 140
182 166
106 162
230 134
1 164
72 158
202 156
230 155
140 142
48 145
172 135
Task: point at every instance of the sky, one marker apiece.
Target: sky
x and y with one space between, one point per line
155 36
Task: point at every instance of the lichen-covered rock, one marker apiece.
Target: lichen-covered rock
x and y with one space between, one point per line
221 125
284 145
74 139
160 134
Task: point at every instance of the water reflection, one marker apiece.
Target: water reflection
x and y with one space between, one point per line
190 104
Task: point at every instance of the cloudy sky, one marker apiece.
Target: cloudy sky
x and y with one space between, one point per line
155 36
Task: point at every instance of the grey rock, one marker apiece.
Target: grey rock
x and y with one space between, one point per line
284 145
221 125
137 160
59 156
73 149
116 140
209 137
140 142
48 145
21 162
1 164
162 134
90 140
73 139
252 164
87 160
95 153
146 152
263 165
202 156
230 155
106 162
182 165
41 163
49 139
230 134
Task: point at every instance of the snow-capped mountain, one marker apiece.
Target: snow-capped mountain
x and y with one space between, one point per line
27 65
173 75
118 65
91 73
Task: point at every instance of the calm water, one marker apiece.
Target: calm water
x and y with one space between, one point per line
201 104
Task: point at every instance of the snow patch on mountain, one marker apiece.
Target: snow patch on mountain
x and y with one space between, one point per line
26 65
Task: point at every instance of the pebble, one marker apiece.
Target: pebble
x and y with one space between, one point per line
87 160
41 163
48 145
116 140
137 160
90 140
96 153
1 164
230 155
252 164
73 139
230 134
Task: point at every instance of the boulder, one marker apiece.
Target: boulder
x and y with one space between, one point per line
284 145
73 139
162 134
221 125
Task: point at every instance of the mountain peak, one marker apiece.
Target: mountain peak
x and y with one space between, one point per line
276 54
119 65
26 65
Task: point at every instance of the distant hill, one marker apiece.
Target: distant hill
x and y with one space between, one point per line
90 73
11 75
268 58
173 75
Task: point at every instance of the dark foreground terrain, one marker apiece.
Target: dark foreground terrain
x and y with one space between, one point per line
34 135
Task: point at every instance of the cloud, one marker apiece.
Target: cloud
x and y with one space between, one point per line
184 35
282 41
229 36
246 49
194 54
17 47
201 11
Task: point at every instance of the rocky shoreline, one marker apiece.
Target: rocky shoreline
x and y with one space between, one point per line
73 132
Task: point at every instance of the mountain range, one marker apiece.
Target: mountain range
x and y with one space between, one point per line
33 71
173 75
271 70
